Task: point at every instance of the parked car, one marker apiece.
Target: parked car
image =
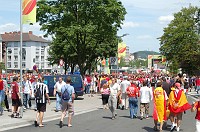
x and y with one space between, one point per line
77 83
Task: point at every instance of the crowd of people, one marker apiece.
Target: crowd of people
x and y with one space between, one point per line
167 93
129 91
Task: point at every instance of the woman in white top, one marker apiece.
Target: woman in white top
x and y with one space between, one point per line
114 93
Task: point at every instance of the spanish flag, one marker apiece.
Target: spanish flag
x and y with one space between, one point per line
178 102
29 11
121 51
159 110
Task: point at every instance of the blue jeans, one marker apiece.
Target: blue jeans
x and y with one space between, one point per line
133 106
26 98
58 102
1 100
88 88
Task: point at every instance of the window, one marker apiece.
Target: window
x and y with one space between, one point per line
36 53
9 51
49 65
24 44
16 51
23 58
42 52
42 65
23 65
37 58
15 58
42 58
9 58
15 64
15 44
9 64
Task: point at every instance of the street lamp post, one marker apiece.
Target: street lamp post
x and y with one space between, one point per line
118 37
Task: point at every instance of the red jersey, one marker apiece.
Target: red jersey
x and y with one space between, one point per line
133 91
15 90
197 106
89 80
198 82
1 84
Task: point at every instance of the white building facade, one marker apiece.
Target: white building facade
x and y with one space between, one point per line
34 52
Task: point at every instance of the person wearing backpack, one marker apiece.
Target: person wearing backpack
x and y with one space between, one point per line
67 97
41 96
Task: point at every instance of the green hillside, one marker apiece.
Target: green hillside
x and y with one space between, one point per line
144 54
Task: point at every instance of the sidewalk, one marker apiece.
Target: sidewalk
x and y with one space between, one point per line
80 106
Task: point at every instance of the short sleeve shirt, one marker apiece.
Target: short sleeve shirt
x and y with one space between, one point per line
114 88
70 90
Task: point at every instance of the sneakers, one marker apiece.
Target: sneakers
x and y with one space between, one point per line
12 116
69 125
172 127
178 129
61 124
36 124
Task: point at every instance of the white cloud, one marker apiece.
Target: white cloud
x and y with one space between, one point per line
144 37
9 27
35 27
165 19
130 25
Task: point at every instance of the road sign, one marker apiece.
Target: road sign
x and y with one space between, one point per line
113 60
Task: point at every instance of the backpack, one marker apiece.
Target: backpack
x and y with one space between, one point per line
38 95
66 95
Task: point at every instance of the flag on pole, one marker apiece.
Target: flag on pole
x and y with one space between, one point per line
29 11
121 51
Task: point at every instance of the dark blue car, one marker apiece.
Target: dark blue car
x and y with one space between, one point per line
77 83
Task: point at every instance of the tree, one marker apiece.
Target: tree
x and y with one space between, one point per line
83 30
122 62
180 41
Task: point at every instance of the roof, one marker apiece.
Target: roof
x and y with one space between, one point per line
27 37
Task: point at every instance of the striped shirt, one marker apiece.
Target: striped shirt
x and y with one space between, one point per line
43 89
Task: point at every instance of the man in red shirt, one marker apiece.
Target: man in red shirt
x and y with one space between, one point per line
133 94
16 98
197 83
88 85
1 95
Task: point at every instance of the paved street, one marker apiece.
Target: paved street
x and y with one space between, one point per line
100 120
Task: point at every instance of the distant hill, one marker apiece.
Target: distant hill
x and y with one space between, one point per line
144 54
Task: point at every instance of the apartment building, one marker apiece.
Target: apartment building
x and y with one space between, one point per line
34 51
127 57
1 60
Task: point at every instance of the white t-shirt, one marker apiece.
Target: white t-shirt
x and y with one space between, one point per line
114 88
59 85
27 87
124 85
146 94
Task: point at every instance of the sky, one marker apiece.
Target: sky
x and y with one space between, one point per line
144 21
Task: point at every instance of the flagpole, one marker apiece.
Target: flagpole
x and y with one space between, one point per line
21 33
